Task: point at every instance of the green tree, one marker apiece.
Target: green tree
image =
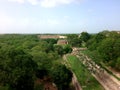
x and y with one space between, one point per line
116 48
17 70
99 37
109 50
67 49
43 62
74 40
59 49
95 41
85 36
106 49
118 63
52 41
61 76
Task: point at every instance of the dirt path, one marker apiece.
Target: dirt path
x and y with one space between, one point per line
105 79
49 86
74 79
76 83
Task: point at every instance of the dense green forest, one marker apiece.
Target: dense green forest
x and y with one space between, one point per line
104 46
26 58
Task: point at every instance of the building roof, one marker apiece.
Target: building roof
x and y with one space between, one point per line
62 42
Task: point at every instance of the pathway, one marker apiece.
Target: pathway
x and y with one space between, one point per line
105 79
74 79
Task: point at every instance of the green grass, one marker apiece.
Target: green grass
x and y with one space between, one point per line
87 81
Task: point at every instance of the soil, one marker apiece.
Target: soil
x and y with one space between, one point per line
47 84
116 72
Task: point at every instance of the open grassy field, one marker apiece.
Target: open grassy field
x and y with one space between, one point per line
87 81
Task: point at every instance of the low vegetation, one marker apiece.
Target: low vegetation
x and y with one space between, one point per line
87 81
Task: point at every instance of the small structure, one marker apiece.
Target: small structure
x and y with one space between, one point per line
62 42
52 36
62 37
48 36
118 32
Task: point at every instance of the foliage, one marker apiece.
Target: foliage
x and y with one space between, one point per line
61 76
95 40
14 63
106 49
17 69
3 88
51 41
118 63
84 36
87 81
25 57
107 44
39 87
97 58
58 49
67 49
43 62
74 40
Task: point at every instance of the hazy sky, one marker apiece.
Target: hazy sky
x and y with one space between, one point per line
59 16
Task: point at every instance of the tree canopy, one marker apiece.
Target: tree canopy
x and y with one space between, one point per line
107 44
25 58
17 69
61 76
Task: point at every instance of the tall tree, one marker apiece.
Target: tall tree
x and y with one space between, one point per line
61 76
58 49
17 70
85 36
74 40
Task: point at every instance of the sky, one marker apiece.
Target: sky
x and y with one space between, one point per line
59 16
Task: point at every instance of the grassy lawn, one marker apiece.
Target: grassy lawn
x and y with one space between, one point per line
87 81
